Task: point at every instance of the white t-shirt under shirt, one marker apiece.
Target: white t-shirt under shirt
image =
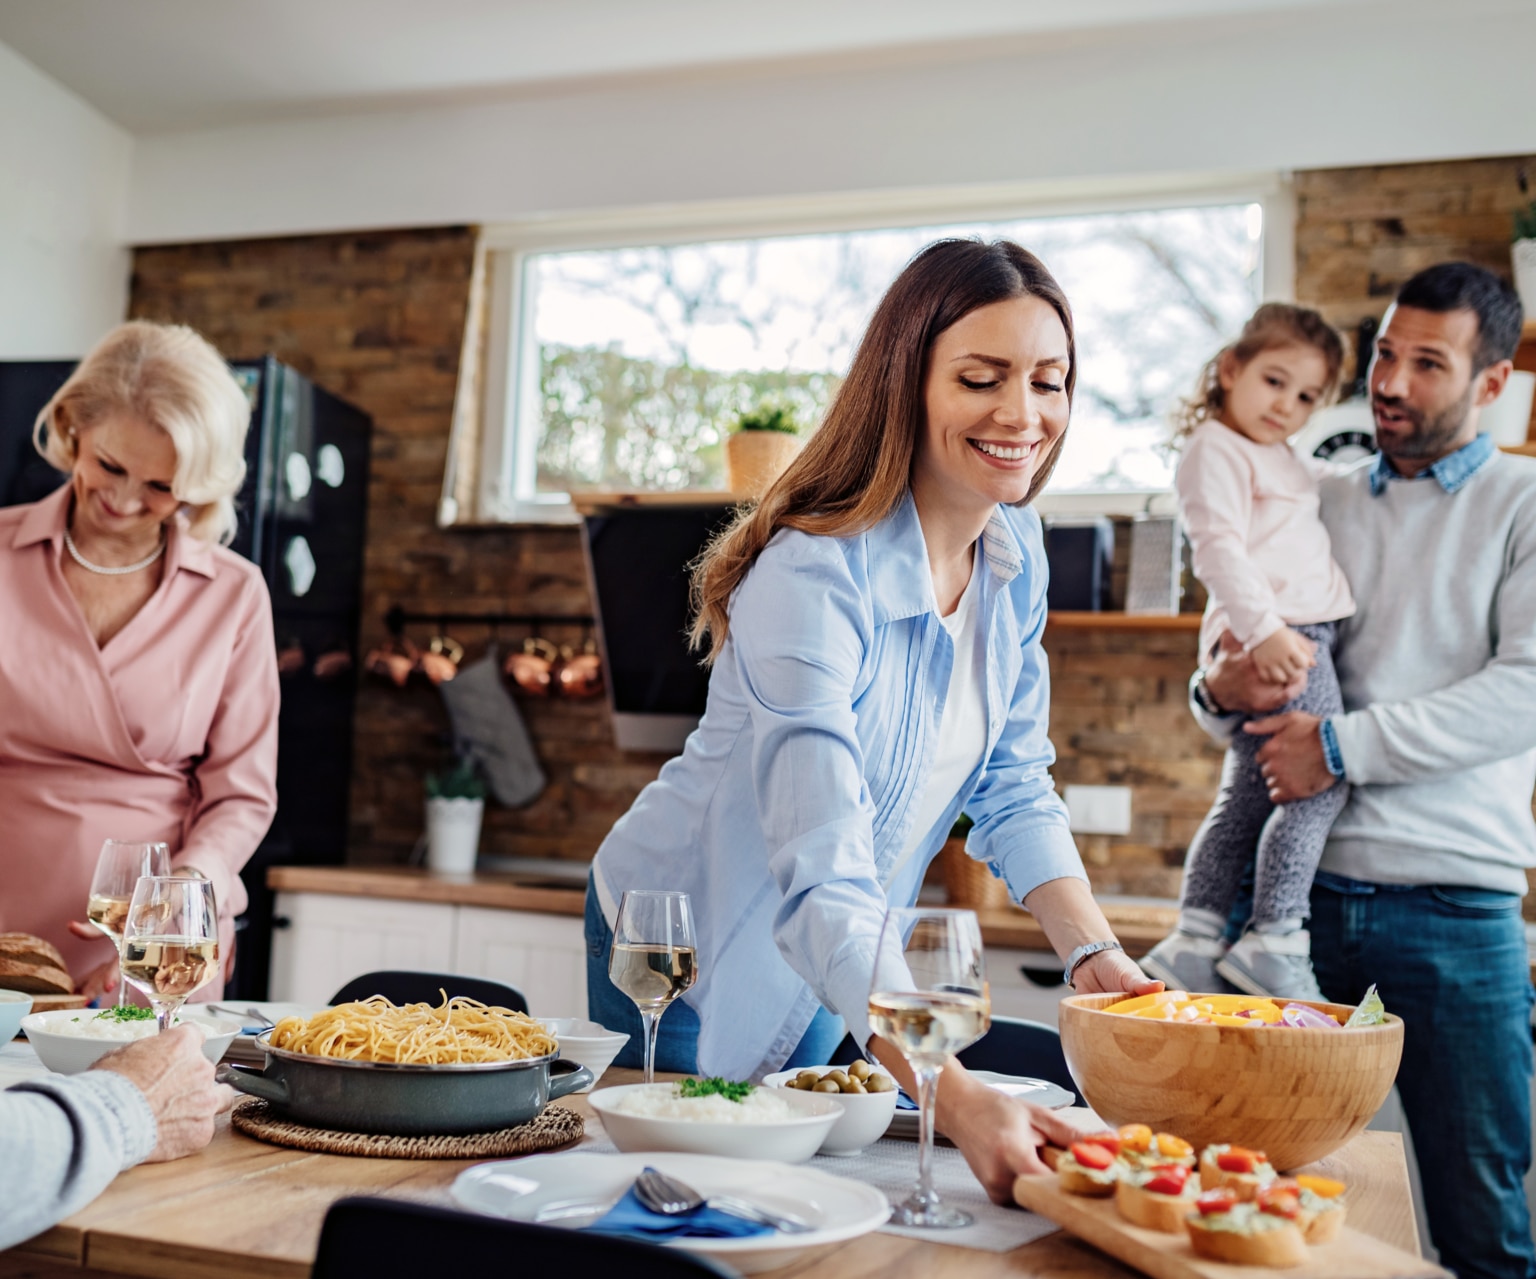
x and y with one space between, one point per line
963 730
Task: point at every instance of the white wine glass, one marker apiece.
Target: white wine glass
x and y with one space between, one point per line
929 999
120 866
653 959
170 944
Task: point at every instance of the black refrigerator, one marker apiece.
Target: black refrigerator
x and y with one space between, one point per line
303 518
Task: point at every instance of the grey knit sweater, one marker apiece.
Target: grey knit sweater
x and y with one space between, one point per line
61 1141
1438 672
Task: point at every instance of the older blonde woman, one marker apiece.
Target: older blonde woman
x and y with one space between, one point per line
137 665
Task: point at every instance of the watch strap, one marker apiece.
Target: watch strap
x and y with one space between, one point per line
1086 951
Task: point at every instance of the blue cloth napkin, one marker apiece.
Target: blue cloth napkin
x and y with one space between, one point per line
631 1217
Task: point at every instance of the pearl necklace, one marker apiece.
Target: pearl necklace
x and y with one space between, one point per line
105 570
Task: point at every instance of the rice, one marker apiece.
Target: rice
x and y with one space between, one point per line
100 1025
661 1101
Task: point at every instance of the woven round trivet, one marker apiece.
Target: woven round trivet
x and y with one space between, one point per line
554 1128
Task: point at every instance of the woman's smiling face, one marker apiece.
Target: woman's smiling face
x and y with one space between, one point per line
996 403
122 479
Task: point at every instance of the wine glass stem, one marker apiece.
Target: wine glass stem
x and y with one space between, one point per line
650 1016
122 988
163 1014
927 1101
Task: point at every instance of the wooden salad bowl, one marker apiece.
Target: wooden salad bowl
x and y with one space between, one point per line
1296 1094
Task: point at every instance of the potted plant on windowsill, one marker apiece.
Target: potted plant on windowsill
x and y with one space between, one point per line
763 443
455 808
1523 251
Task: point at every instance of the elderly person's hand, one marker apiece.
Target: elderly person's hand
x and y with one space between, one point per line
177 1080
1235 683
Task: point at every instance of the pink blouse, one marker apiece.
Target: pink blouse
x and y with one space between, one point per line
166 732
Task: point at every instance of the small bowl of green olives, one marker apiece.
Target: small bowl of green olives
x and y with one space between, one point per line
867 1093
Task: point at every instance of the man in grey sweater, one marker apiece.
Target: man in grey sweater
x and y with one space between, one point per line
63 1138
1420 883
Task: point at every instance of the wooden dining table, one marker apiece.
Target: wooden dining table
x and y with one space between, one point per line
243 1209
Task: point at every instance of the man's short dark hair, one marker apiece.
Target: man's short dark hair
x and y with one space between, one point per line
1464 286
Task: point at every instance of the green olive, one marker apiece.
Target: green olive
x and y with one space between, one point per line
826 1085
854 1086
839 1077
879 1083
807 1079
859 1069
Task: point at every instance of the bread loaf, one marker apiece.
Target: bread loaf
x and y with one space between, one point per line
29 963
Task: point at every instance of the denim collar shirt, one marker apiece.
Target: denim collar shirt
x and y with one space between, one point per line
786 814
1450 472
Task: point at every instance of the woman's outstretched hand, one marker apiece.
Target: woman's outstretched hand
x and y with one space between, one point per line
999 1135
98 981
1112 972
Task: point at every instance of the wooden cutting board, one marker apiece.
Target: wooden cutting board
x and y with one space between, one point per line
1353 1255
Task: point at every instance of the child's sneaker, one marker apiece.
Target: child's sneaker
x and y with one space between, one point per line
1278 964
1186 961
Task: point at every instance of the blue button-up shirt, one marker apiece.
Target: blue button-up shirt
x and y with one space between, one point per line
787 811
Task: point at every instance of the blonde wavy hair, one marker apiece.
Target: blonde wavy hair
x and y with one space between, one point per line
1274 324
171 377
856 468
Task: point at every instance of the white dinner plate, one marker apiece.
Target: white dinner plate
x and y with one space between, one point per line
576 1188
1039 1091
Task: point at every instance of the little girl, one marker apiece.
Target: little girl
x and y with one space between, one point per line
1250 508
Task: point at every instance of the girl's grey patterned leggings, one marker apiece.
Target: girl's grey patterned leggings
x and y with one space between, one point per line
1244 826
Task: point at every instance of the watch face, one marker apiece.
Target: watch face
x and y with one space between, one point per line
1345 446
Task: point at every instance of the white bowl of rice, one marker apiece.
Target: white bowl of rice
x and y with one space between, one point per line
69 1040
765 1123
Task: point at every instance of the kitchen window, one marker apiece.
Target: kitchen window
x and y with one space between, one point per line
607 361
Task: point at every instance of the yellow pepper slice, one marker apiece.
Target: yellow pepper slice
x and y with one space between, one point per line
1146 1001
1136 1138
1323 1187
1171 1147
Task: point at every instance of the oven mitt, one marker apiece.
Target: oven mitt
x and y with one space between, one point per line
489 730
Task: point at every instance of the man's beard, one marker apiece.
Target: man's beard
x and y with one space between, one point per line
1431 437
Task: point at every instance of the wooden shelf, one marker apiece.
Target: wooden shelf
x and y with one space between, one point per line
1527 449
1118 621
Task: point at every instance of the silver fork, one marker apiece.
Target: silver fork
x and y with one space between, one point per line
670 1197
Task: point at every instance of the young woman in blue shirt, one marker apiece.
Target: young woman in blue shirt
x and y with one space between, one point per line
805 803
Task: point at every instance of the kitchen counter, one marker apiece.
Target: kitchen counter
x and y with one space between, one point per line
1138 925
242 1209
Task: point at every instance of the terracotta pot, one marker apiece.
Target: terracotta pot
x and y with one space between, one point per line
968 882
755 459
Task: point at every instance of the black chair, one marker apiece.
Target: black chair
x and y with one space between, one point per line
395 1239
428 988
1012 1047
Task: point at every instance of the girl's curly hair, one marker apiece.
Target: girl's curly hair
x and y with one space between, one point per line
1273 324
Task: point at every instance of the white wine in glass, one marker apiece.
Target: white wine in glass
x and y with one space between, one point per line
170 944
929 999
653 960
120 865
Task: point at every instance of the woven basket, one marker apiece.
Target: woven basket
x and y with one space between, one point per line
968 882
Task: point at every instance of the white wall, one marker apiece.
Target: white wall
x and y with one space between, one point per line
64 175
1375 82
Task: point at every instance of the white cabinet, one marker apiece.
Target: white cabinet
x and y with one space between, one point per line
1016 995
544 956
331 939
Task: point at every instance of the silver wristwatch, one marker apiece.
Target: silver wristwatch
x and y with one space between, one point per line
1080 953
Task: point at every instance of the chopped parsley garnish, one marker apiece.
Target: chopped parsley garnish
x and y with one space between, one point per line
126 1013
731 1089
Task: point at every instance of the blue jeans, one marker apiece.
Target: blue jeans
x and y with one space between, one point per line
677 1031
1452 963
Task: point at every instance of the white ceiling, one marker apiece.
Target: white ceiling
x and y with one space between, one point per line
156 66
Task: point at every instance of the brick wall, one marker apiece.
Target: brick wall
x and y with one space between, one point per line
377 318
1360 233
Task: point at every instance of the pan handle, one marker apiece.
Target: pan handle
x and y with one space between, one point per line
567 1077
253 1081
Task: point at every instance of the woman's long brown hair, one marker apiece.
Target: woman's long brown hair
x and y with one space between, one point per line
855 469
